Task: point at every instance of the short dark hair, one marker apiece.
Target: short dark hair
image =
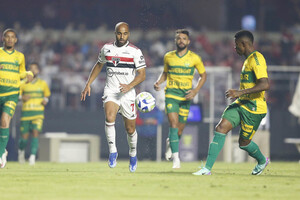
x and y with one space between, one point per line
183 31
244 33
9 30
35 63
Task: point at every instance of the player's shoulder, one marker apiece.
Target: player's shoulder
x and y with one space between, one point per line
19 53
170 53
193 54
257 57
132 47
108 44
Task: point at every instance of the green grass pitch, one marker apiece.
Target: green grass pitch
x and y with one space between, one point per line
152 180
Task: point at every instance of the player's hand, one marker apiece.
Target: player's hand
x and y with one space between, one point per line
156 86
1 67
232 94
29 78
124 88
190 94
25 97
86 91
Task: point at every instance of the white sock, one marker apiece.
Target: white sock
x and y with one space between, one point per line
110 132
132 143
175 156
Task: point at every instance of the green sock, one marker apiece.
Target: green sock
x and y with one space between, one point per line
179 136
214 149
22 143
34 145
4 136
174 140
253 151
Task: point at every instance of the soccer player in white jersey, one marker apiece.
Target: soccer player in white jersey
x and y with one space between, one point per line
122 60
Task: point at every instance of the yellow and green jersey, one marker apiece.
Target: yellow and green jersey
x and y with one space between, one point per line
13 69
254 68
33 108
180 73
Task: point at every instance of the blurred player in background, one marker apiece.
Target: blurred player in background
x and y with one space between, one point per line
12 69
122 60
179 69
35 96
247 110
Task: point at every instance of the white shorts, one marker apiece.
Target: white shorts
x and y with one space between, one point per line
126 103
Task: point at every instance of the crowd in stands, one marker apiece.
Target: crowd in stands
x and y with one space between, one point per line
72 52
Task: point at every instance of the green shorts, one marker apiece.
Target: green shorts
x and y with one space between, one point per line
180 107
238 116
8 104
28 126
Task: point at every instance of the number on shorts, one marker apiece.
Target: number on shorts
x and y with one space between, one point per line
132 105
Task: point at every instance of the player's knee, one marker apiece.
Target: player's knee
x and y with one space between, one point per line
4 123
110 118
130 130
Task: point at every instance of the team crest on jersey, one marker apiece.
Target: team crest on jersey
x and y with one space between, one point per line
186 64
115 61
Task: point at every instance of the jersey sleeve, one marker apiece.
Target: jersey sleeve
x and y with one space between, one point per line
166 65
199 64
260 66
139 60
47 92
101 57
22 67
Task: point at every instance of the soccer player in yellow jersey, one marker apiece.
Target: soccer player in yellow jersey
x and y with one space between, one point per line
12 69
35 96
247 110
179 68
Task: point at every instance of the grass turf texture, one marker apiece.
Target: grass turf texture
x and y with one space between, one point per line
280 180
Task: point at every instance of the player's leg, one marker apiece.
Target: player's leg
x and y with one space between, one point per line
8 105
23 140
249 124
229 120
128 111
4 136
111 109
36 129
132 138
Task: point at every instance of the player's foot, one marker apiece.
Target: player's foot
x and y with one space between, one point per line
31 159
176 163
3 159
258 169
112 160
21 156
168 153
202 171
132 163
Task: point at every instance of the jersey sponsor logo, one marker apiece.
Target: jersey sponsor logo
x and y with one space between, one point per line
111 72
8 81
179 84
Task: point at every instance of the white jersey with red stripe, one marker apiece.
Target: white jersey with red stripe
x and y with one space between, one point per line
121 65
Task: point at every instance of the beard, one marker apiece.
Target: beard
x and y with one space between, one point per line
181 47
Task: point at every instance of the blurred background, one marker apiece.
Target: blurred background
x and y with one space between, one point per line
65 37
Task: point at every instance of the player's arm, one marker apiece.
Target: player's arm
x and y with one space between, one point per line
192 93
26 75
140 77
162 78
261 85
47 94
93 75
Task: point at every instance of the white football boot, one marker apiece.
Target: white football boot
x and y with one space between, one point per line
32 159
21 156
168 153
3 159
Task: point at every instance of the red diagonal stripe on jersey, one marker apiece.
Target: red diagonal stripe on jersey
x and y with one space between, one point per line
123 59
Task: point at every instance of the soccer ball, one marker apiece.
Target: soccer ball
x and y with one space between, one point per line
145 102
